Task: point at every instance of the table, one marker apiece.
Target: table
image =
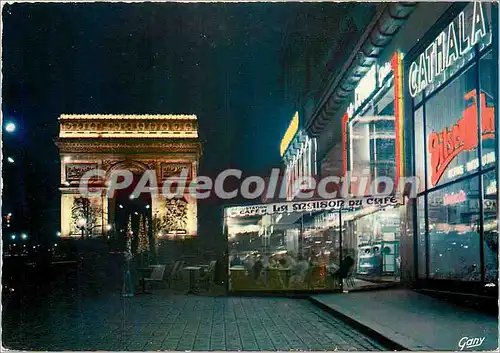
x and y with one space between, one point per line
144 271
192 270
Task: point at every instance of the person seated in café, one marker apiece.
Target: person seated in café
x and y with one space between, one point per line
313 259
299 271
346 266
257 268
236 261
266 263
290 259
249 263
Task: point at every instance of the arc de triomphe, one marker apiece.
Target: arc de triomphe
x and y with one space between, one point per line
163 143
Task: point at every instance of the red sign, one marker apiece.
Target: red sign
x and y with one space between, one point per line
444 146
455 198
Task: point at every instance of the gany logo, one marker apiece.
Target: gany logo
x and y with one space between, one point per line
466 342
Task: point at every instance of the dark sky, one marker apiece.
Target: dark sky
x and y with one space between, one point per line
219 62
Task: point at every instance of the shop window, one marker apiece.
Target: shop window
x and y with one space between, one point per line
451 131
376 243
421 231
487 102
454 251
490 226
420 149
283 252
372 137
360 147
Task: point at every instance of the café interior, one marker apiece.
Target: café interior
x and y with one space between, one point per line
321 251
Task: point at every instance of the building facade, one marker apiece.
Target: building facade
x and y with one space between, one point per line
416 98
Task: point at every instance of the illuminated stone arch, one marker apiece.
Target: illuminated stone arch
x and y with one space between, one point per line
163 143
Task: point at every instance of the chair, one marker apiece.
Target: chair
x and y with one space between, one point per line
345 271
308 278
174 273
349 279
299 276
207 279
156 275
274 280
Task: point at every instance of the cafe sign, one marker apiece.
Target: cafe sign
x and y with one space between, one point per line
312 206
448 47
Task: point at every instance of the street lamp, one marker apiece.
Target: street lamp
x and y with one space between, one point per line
24 236
10 127
81 223
58 234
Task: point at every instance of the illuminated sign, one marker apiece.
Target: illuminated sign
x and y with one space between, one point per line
450 45
312 206
444 146
397 68
459 170
290 133
372 80
491 189
453 199
384 71
367 85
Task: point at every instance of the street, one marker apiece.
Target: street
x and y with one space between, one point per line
168 321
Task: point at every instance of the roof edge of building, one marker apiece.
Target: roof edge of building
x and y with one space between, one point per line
379 33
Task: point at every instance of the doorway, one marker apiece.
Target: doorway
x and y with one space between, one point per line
125 207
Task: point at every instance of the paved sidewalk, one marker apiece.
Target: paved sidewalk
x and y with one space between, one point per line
413 321
168 321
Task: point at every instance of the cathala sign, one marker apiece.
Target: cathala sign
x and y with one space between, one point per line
449 46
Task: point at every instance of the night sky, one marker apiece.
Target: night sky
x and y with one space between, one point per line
218 61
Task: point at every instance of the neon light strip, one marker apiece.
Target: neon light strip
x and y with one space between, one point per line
397 68
345 121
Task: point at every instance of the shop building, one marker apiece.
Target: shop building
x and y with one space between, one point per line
413 96
451 92
418 100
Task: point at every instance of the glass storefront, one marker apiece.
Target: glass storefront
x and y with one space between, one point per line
373 235
454 158
312 251
290 252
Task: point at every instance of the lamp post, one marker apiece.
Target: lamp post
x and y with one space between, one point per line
10 127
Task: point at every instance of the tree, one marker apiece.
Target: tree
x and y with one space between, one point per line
143 238
129 234
84 215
